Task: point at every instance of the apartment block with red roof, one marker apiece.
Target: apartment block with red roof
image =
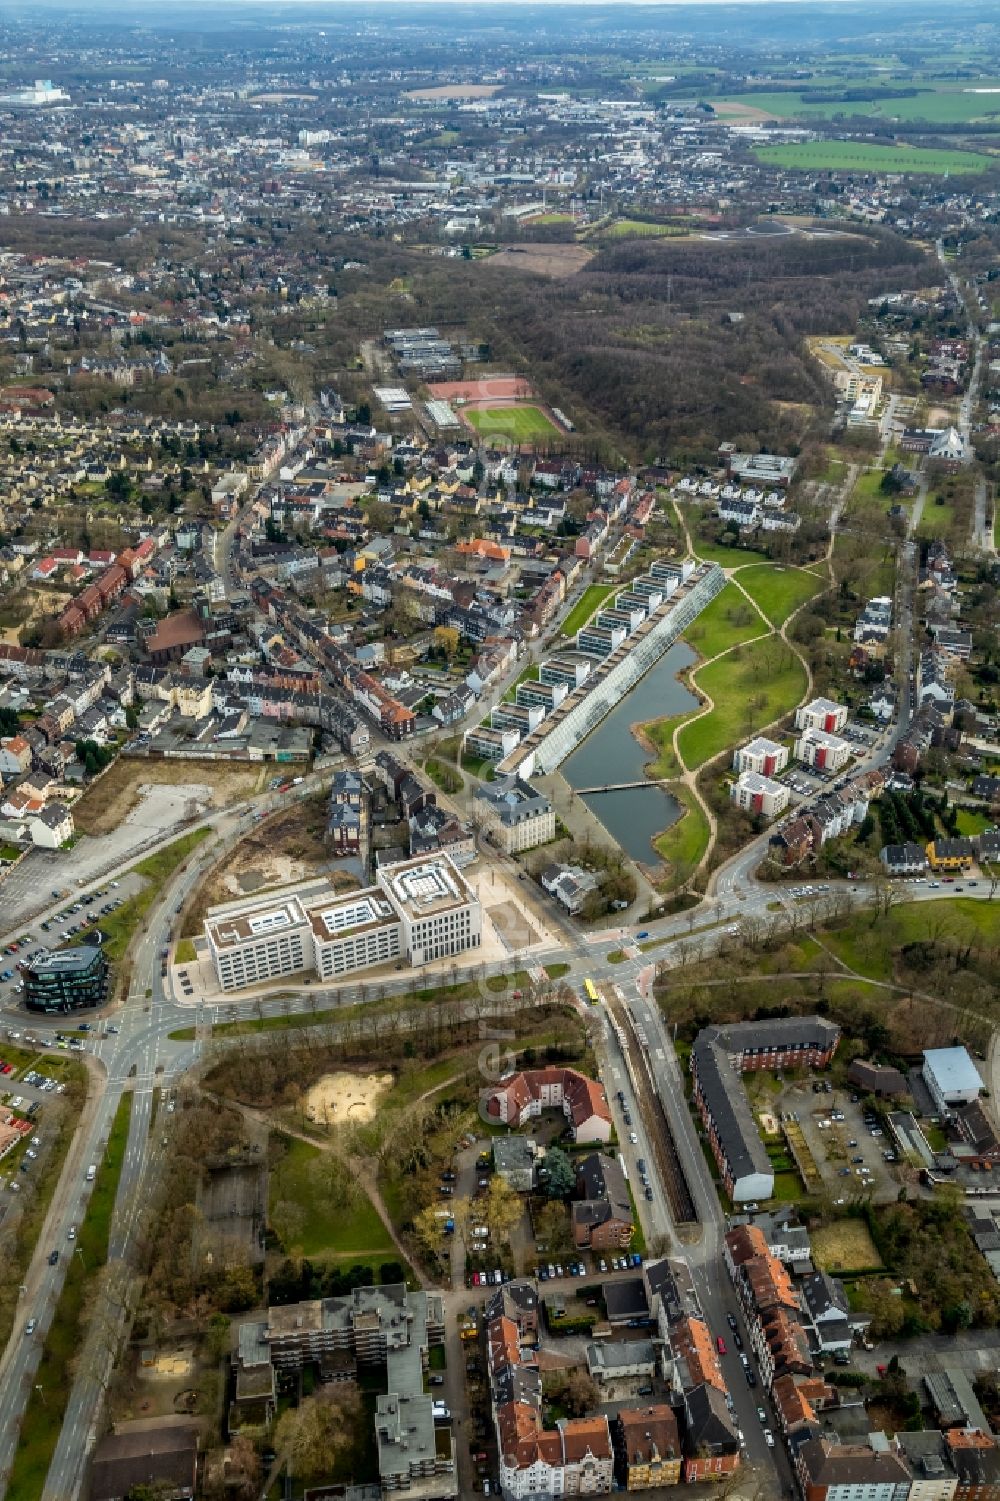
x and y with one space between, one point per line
523 1096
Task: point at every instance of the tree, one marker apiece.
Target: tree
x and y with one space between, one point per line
428 1227
446 639
318 1430
503 1210
240 1480
574 1391
553 1229
557 1176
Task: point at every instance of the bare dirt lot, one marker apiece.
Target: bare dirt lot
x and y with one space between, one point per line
345 1099
543 260
493 387
126 785
456 91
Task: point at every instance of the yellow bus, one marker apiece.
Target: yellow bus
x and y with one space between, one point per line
591 990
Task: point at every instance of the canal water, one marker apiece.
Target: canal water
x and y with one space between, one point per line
633 817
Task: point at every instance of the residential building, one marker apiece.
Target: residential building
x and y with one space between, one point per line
52 827
647 1447
822 750
821 714
903 859
569 884
872 1471
764 756
719 1055
950 854
877 1079
523 1096
759 795
602 1212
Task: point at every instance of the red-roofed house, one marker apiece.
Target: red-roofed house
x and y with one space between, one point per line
521 1097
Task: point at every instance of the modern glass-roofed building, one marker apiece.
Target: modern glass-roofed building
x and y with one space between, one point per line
67 980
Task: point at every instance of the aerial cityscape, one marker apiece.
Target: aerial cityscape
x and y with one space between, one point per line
499 751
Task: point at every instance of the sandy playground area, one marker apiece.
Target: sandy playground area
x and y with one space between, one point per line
345 1099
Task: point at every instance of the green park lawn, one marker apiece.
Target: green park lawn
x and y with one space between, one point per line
585 606
683 845
936 520
518 423
725 621
750 688
869 948
779 591
861 156
727 557
969 822
330 1229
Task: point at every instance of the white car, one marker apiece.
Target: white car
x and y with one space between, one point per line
632 1137
769 1438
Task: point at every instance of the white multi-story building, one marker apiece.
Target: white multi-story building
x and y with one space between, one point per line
821 714
764 756
820 749
419 911
515 816
758 794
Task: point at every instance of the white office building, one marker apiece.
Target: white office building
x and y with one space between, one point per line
419 911
951 1076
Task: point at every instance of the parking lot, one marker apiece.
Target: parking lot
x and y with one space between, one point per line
848 1149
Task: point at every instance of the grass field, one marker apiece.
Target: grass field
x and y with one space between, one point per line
970 822
585 606
870 949
935 520
462 991
750 687
778 591
845 1246
52 1381
859 156
157 869
683 845
330 1229
726 557
727 620
519 424
627 228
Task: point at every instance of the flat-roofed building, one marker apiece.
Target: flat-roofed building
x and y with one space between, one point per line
420 910
821 714
68 980
759 795
822 750
252 942
762 755
573 671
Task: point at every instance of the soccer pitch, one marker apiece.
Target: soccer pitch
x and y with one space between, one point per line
519 424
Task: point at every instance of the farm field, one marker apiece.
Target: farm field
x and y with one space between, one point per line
750 688
779 591
519 424
859 156
726 621
938 106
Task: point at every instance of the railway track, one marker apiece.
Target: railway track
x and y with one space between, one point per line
632 1041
